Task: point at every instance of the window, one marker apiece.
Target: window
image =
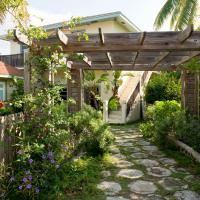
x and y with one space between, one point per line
2 91
63 93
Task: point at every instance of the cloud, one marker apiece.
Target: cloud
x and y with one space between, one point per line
42 17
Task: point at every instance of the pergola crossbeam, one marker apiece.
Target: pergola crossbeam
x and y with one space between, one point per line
87 61
109 59
187 58
140 42
101 37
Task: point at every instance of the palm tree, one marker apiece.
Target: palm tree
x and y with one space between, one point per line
182 12
16 8
91 83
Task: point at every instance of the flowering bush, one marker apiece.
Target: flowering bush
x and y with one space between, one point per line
1 104
5 109
52 140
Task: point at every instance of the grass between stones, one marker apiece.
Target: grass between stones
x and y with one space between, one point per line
88 171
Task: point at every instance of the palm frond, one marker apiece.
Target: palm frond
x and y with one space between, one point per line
186 16
165 12
175 15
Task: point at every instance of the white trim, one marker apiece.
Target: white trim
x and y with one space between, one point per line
9 76
4 90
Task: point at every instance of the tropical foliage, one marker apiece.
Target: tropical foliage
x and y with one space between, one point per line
182 13
92 84
166 118
163 86
16 8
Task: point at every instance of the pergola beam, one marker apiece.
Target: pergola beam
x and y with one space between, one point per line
160 59
102 42
62 37
140 42
185 34
22 38
138 67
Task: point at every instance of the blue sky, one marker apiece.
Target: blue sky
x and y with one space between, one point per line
140 12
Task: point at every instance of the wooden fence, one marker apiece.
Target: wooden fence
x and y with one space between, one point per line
15 60
7 150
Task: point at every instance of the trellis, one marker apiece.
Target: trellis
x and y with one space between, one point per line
138 51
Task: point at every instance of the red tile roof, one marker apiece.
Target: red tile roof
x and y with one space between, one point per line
11 71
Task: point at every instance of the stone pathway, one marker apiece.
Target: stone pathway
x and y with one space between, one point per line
140 171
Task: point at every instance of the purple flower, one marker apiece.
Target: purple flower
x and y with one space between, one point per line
24 180
52 161
30 161
29 186
50 154
12 179
20 187
20 152
30 177
37 190
57 166
64 147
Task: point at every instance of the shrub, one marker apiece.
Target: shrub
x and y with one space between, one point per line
161 120
91 131
52 140
167 117
164 86
188 131
113 104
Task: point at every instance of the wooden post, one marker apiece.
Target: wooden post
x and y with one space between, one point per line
190 92
75 89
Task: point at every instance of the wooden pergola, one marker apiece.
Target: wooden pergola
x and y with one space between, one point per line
138 51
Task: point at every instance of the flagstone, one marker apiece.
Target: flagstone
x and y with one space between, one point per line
147 197
139 155
170 183
142 187
167 161
150 148
130 173
158 171
186 195
147 162
123 164
118 156
143 143
110 188
116 198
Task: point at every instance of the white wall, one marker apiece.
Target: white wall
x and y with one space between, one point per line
14 48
